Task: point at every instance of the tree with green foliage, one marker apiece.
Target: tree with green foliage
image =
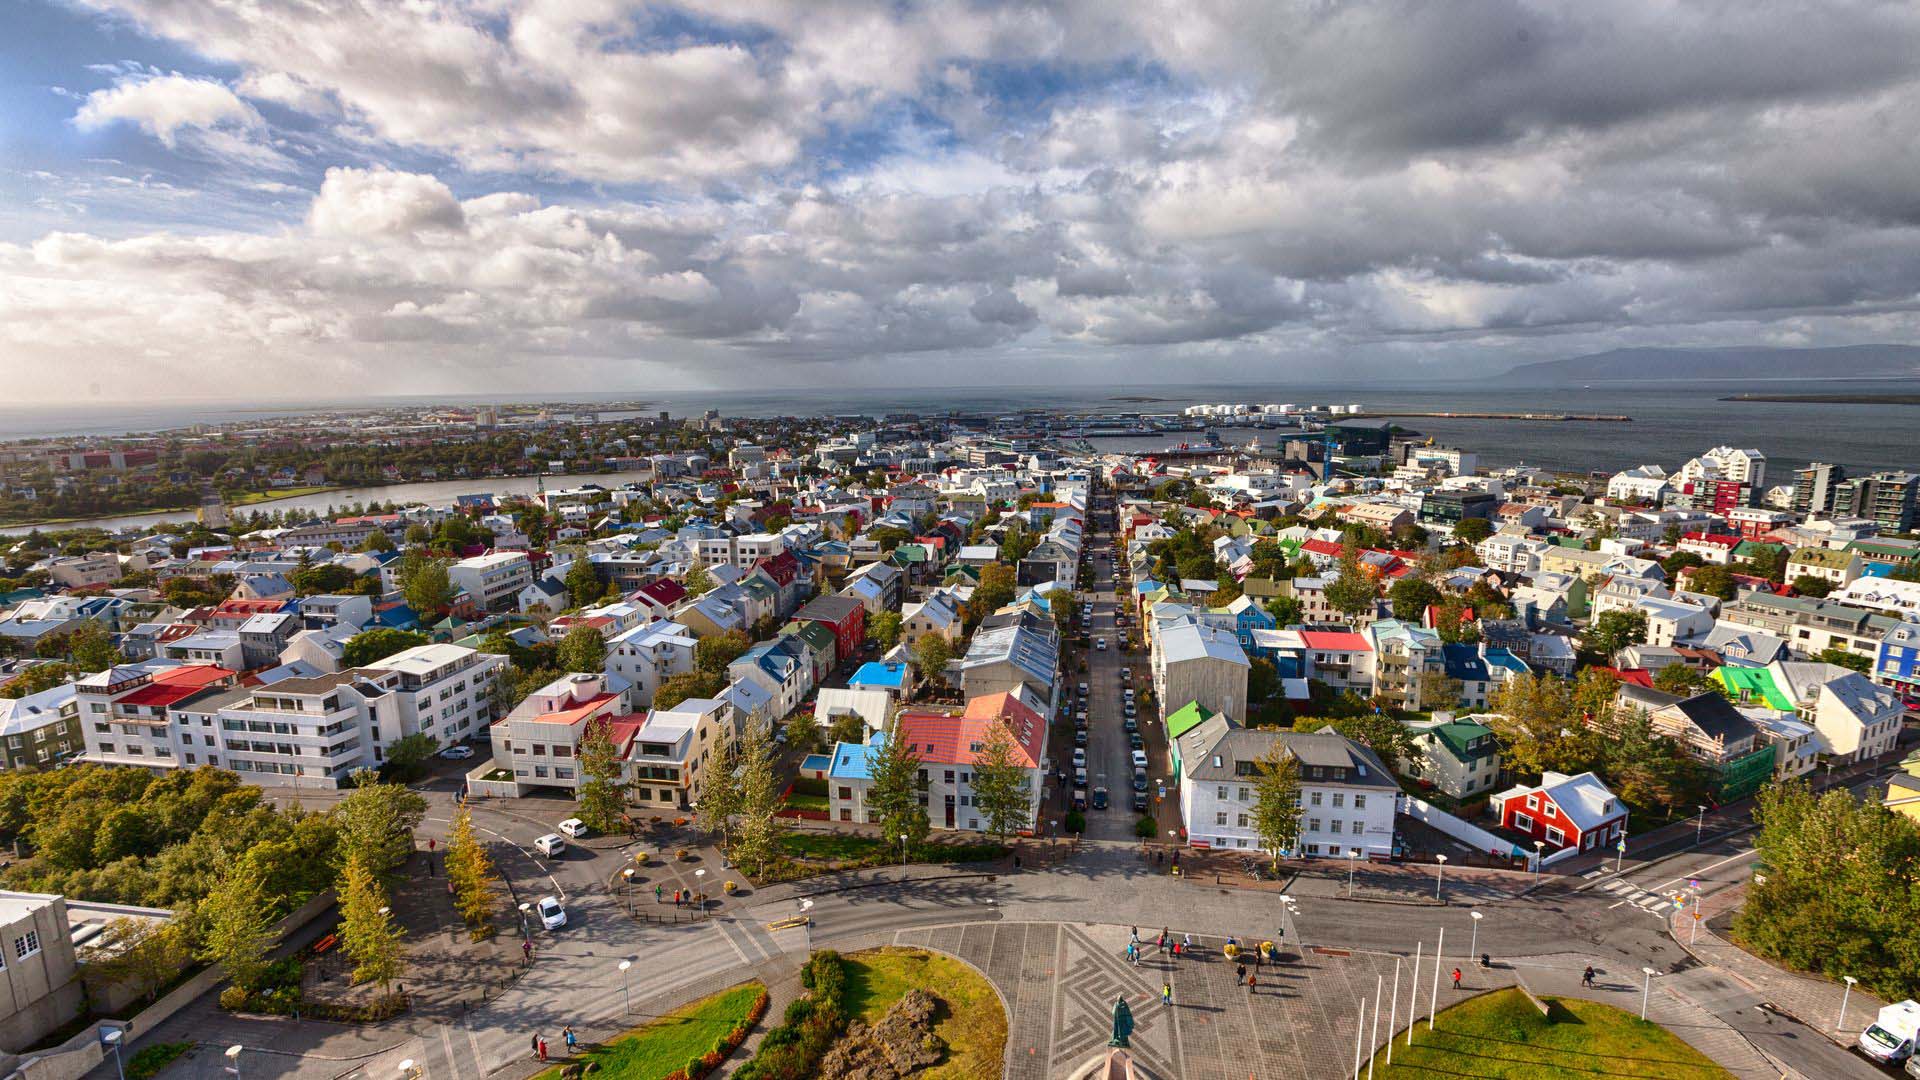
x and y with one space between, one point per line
326 578
1473 529
1002 786
756 837
140 952
1681 560
602 797
1808 585
1276 805
847 728
1611 631
697 581
1353 592
425 584
884 629
894 795
407 756
1839 657
236 926
91 647
720 793
1837 897
1682 680
995 591
370 646
803 731
713 653
583 584
1713 581
1410 598
1263 680
1380 732
931 655
368 934
377 821
1647 768
583 650
376 541
1540 727
1286 611
37 678
686 686
470 870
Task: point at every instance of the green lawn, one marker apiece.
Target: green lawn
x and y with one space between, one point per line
854 846
1501 1036
797 800
250 498
974 1024
664 1045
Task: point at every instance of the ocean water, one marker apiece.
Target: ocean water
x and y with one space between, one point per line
1671 421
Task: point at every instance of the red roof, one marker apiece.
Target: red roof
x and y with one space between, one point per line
1335 640
176 684
1714 539
665 591
950 738
1322 547
573 714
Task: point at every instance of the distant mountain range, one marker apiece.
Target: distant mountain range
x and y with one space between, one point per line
1671 365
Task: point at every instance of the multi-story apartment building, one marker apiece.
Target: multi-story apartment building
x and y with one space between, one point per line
493 580
948 742
1193 662
1809 626
1461 758
539 741
1347 796
125 711
670 751
740 551
40 730
319 729
1408 664
640 659
443 691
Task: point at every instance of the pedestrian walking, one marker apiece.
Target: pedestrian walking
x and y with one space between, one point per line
1135 935
1253 982
658 892
566 1033
1133 953
1186 943
1456 978
1586 977
1166 993
535 1044
543 1049
526 951
1239 974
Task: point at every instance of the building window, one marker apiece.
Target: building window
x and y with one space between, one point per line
1313 824
1359 802
1313 798
1339 799
27 945
1523 822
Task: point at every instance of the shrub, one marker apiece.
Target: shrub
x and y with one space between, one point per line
151 1059
1146 829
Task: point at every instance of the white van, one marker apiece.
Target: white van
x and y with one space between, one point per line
550 845
1139 759
1891 1036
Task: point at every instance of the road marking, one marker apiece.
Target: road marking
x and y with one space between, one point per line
1701 871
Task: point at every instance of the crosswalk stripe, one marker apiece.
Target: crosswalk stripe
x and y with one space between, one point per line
1615 886
1661 905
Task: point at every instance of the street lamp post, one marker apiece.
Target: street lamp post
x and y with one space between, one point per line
1539 849
526 929
1439 872
1352 854
233 1055
626 990
113 1037
1844 994
903 851
408 1070
1699 826
806 906
1473 947
1646 990
627 874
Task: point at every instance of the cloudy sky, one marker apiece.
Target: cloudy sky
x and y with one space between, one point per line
265 197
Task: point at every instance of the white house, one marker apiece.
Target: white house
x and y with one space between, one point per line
641 658
1347 796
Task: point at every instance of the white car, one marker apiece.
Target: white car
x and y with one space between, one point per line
553 915
457 752
1079 757
550 845
574 827
1100 644
1139 759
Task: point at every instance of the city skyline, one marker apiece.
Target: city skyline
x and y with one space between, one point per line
533 198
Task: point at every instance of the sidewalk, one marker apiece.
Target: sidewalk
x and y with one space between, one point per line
1810 999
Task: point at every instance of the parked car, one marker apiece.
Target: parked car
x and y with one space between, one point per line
574 827
553 915
1135 742
1079 758
1140 781
457 752
1079 736
550 845
1099 798
1079 798
1100 644
1139 759
1140 802
1130 723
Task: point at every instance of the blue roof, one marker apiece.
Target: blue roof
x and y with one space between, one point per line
816 762
854 761
1464 663
890 675
1503 658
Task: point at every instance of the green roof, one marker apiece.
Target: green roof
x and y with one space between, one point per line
1459 734
1756 681
1826 557
910 553
1186 718
1755 547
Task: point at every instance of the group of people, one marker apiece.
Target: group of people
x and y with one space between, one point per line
566 1036
1165 944
681 897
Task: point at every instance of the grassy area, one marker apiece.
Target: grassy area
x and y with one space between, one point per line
1501 1036
837 847
249 498
666 1044
800 801
973 1022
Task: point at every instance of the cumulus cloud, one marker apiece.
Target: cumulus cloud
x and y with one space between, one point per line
163 105
709 189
